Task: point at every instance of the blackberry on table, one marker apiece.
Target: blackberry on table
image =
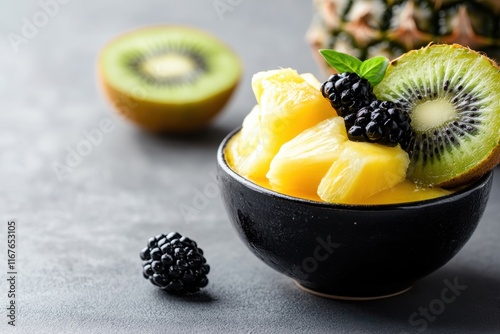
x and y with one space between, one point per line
174 263
347 92
380 122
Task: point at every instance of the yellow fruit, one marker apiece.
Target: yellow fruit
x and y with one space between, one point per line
245 147
302 162
288 106
267 79
362 170
245 141
404 192
312 80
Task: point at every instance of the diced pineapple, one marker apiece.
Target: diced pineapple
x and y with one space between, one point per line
404 192
302 162
245 150
312 80
362 170
267 79
288 106
247 140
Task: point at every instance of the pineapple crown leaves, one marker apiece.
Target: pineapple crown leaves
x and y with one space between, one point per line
372 69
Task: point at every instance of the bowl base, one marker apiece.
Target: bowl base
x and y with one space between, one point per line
337 297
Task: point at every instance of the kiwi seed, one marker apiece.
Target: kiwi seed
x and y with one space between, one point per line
452 95
169 65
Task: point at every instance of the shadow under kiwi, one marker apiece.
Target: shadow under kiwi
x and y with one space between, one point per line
208 138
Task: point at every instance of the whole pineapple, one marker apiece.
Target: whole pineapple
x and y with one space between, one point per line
367 28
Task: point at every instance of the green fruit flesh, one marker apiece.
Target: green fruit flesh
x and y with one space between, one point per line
452 95
170 64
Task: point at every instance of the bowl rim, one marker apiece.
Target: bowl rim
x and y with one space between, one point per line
456 195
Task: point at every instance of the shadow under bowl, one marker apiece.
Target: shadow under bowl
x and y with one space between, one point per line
355 252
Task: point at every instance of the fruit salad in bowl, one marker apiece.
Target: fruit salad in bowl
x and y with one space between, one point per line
358 186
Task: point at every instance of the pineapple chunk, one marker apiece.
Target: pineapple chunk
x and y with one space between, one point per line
244 143
404 192
362 170
312 80
288 106
302 162
264 80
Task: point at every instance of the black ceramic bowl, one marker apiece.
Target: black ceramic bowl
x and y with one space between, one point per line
350 251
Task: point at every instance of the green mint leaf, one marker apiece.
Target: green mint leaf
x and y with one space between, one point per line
341 62
374 69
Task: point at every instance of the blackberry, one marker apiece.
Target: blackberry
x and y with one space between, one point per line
381 122
174 263
347 92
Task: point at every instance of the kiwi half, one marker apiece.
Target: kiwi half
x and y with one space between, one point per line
452 95
169 78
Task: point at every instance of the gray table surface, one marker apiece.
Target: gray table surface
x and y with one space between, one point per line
78 238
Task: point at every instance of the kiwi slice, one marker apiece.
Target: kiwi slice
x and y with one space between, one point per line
452 95
169 78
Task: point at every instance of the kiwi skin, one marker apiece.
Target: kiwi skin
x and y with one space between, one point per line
162 117
476 172
493 158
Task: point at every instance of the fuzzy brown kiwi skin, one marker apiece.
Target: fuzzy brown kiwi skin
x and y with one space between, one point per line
490 162
172 118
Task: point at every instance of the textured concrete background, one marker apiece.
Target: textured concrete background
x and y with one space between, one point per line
79 237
